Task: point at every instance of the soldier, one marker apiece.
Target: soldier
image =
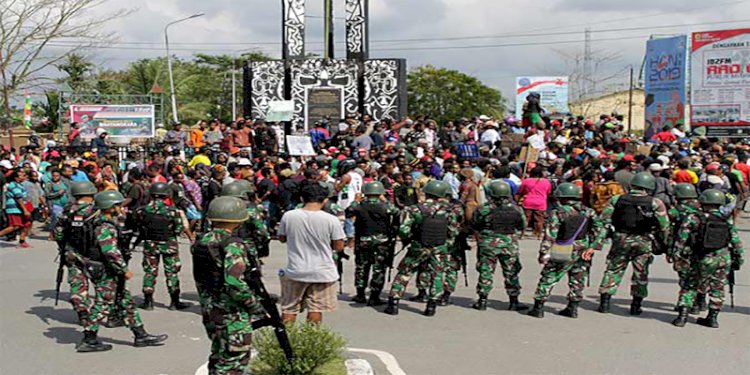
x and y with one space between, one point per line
686 268
431 227
253 232
640 223
565 250
499 222
160 225
107 270
373 220
710 239
219 264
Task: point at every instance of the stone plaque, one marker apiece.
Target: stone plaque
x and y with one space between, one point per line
323 102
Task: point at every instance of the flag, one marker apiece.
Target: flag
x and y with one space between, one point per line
27 112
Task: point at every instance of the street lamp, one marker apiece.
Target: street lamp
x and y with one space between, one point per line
169 63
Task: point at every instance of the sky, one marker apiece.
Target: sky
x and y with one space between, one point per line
548 30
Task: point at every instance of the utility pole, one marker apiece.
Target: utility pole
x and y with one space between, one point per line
587 60
630 102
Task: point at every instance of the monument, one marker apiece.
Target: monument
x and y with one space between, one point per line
326 87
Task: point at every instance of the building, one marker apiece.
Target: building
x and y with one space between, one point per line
614 102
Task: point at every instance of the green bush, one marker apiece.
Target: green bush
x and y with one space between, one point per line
318 351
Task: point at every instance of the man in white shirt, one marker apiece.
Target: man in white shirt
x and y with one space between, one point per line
490 135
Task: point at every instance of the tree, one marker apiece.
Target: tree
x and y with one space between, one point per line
78 68
445 95
29 29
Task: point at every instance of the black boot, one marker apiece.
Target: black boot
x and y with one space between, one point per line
701 299
431 308
375 299
148 302
635 306
571 311
711 320
682 317
176 304
91 344
392 308
420 297
114 320
604 303
538 310
481 303
360 297
515 305
445 300
144 339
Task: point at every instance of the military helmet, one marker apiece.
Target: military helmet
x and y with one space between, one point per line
499 189
685 191
644 180
437 189
373 188
227 210
159 189
713 196
247 185
80 188
568 190
108 199
235 189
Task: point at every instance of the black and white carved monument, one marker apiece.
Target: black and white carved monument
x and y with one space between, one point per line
326 87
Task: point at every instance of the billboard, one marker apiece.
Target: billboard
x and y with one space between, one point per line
553 91
720 83
665 69
117 120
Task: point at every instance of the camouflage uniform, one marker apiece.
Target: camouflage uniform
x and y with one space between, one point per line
168 250
371 251
686 267
258 235
227 312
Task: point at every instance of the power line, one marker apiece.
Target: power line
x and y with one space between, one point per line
509 44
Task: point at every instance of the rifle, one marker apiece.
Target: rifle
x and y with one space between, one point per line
60 271
253 279
730 278
390 257
340 268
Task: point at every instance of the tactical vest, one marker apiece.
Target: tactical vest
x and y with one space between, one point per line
81 236
208 275
634 215
372 219
570 225
714 234
434 228
157 227
504 220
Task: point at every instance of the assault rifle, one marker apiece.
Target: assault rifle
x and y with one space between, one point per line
730 278
340 256
60 271
393 238
253 279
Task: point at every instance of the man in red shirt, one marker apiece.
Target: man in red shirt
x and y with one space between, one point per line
665 135
742 166
682 176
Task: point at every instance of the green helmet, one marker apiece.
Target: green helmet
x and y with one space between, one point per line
568 190
248 185
235 189
108 199
713 196
227 210
437 189
80 188
373 188
499 189
685 191
644 180
159 189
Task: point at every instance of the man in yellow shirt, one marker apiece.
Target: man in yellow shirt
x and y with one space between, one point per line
201 158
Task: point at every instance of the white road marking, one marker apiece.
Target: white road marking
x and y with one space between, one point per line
391 364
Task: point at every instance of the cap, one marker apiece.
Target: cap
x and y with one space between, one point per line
244 162
484 118
6 164
656 167
333 149
629 158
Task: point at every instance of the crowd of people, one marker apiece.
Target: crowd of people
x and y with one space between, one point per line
573 183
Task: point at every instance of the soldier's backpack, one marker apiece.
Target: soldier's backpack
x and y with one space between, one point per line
434 228
505 220
372 218
81 235
634 215
714 234
157 227
208 275
571 229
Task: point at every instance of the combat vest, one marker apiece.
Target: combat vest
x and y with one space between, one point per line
434 228
572 225
504 220
157 227
372 219
634 215
208 275
80 236
714 234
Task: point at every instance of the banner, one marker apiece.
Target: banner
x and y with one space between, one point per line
117 120
665 83
553 90
280 110
720 83
27 111
299 145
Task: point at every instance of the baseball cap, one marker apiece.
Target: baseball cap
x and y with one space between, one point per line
629 158
484 118
656 167
6 164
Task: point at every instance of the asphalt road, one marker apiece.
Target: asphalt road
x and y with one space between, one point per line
37 337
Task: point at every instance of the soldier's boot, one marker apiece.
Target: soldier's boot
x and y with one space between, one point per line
635 306
392 308
375 298
481 303
142 338
148 302
91 344
114 320
515 305
711 320
702 305
604 303
360 297
571 311
682 317
445 300
175 304
431 308
420 297
538 310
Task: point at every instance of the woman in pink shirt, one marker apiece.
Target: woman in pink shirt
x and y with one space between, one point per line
533 195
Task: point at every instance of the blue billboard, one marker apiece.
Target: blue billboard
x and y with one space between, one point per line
665 77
